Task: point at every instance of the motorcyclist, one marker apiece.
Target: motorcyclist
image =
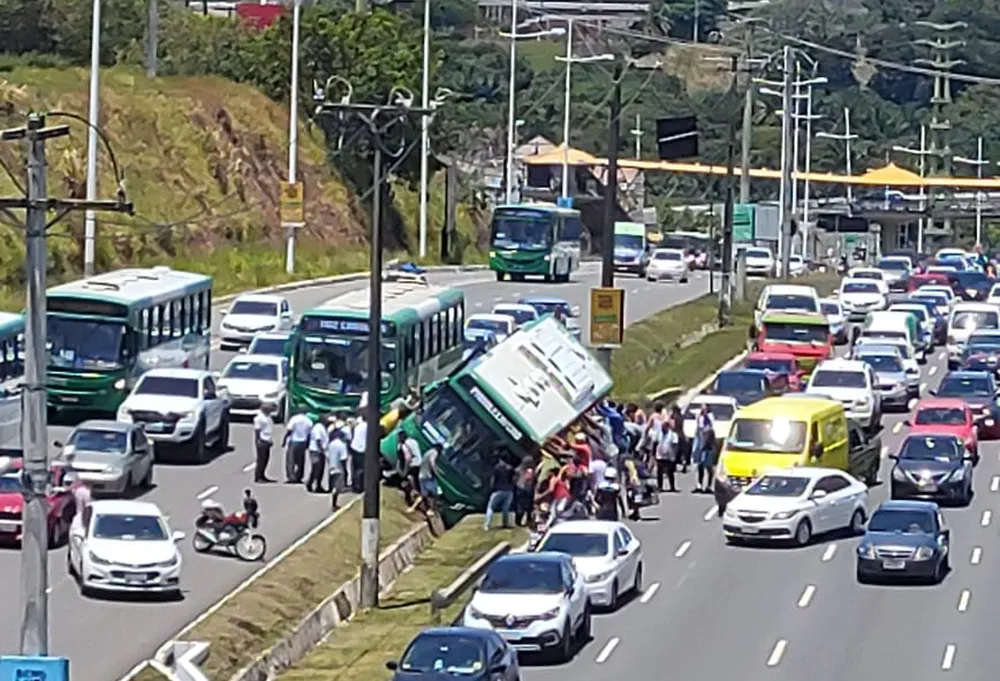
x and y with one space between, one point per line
608 497
571 509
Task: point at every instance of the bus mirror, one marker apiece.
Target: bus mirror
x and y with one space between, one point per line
574 311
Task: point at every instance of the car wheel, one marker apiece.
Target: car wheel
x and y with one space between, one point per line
565 653
613 601
282 411
637 583
147 482
940 571
859 576
198 443
586 626
222 443
803 533
857 522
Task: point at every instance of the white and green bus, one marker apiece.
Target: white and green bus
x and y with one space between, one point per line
106 331
11 378
535 239
422 335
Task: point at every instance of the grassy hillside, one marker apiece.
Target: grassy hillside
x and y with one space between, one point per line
202 160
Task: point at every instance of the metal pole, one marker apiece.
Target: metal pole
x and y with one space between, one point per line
35 540
725 291
697 20
372 471
847 135
787 127
979 193
637 132
152 39
509 179
425 122
566 101
805 182
796 115
923 200
610 200
93 112
293 131
747 133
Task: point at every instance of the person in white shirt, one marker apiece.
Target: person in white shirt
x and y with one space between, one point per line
359 438
263 438
319 438
336 460
296 443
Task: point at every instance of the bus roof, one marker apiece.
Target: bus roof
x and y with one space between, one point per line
11 323
401 301
544 207
784 317
138 287
793 408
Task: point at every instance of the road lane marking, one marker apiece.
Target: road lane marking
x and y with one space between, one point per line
682 549
606 651
949 657
995 483
885 450
807 596
779 650
711 513
923 387
205 494
828 554
977 555
912 403
479 303
896 428
249 467
963 601
943 355
932 371
987 517
648 594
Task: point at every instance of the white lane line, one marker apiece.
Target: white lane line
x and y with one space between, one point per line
650 591
779 650
923 387
977 555
885 450
606 651
963 601
912 403
949 657
711 513
995 483
987 517
635 290
933 370
828 554
807 596
478 303
682 549
898 427
205 494
249 467
943 355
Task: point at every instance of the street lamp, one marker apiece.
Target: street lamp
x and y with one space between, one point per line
923 152
514 36
978 162
93 114
569 60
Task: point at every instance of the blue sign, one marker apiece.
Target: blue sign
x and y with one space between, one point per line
16 668
565 202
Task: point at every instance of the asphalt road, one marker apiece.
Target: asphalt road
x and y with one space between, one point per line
714 611
104 639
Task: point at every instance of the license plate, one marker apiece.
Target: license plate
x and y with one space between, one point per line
510 636
70 399
893 564
135 579
155 427
751 530
7 526
928 486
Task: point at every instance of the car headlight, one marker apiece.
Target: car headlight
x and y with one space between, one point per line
119 384
189 416
97 560
785 515
866 551
730 513
271 396
924 553
958 474
547 258
550 614
168 563
599 577
898 474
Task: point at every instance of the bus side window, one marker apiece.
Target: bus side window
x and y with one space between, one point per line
143 329
435 335
185 305
5 360
450 336
461 320
418 342
196 312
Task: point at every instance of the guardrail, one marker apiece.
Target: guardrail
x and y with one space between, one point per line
446 596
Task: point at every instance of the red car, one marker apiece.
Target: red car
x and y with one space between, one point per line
927 279
779 364
947 416
62 506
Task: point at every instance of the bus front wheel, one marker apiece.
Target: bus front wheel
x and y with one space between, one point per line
499 276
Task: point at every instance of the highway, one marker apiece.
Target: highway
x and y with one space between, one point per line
104 638
715 611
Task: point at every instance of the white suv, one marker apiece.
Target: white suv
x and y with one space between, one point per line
854 384
252 314
181 407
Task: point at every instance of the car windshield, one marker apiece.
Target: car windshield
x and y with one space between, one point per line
779 436
972 279
791 301
884 363
129 527
961 387
523 577
254 371
780 366
867 274
589 545
969 320
902 521
339 363
498 326
758 253
254 307
893 264
940 416
982 345
167 385
829 378
519 316
739 382
879 333
274 347
718 412
10 483
935 448
549 307
830 309
859 287
75 343
444 654
790 332
778 486
96 440
667 255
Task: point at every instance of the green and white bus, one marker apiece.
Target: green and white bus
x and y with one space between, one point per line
422 333
11 378
535 239
106 331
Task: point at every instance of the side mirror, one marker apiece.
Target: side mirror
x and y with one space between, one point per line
752 333
178 536
58 444
225 312
217 374
244 350
894 457
907 423
818 494
622 552
932 392
392 665
76 533
574 311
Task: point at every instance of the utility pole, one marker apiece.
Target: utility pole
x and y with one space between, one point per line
637 134
611 199
922 153
152 37
425 122
725 290
293 133
746 136
785 242
378 119
978 162
93 122
34 637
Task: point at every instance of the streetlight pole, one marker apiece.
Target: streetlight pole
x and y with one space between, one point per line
425 122
978 162
846 138
93 122
922 153
293 132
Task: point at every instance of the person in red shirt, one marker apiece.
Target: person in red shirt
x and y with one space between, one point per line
581 449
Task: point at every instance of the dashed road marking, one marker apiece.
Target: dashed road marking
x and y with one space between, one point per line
779 650
949 657
885 450
932 371
943 356
963 600
711 513
249 467
606 651
898 427
977 555
828 554
987 517
682 549
206 493
807 596
995 483
479 303
923 387
912 403
650 591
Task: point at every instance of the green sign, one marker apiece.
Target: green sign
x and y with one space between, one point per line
744 222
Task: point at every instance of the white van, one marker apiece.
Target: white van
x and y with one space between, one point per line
885 325
966 318
786 297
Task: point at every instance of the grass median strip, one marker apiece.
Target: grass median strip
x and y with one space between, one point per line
268 610
359 650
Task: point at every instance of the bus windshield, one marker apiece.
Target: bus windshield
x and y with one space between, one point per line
630 242
339 363
84 343
521 229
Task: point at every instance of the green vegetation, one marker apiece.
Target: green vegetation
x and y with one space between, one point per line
270 608
359 651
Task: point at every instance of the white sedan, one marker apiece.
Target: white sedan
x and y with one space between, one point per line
253 380
124 547
667 263
606 553
721 408
796 504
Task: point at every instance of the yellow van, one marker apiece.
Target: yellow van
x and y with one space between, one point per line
781 432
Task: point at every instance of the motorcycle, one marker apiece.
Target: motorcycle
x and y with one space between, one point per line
233 533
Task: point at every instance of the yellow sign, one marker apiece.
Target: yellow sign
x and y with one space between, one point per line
607 317
292 205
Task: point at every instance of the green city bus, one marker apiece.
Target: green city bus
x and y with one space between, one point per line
104 332
535 239
11 378
422 333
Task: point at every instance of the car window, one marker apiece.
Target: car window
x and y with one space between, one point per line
626 535
835 483
140 439
619 542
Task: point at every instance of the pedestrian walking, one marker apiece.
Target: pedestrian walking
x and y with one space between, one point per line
263 440
667 444
524 490
502 494
703 450
337 457
409 458
428 478
359 439
319 438
296 443
683 444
